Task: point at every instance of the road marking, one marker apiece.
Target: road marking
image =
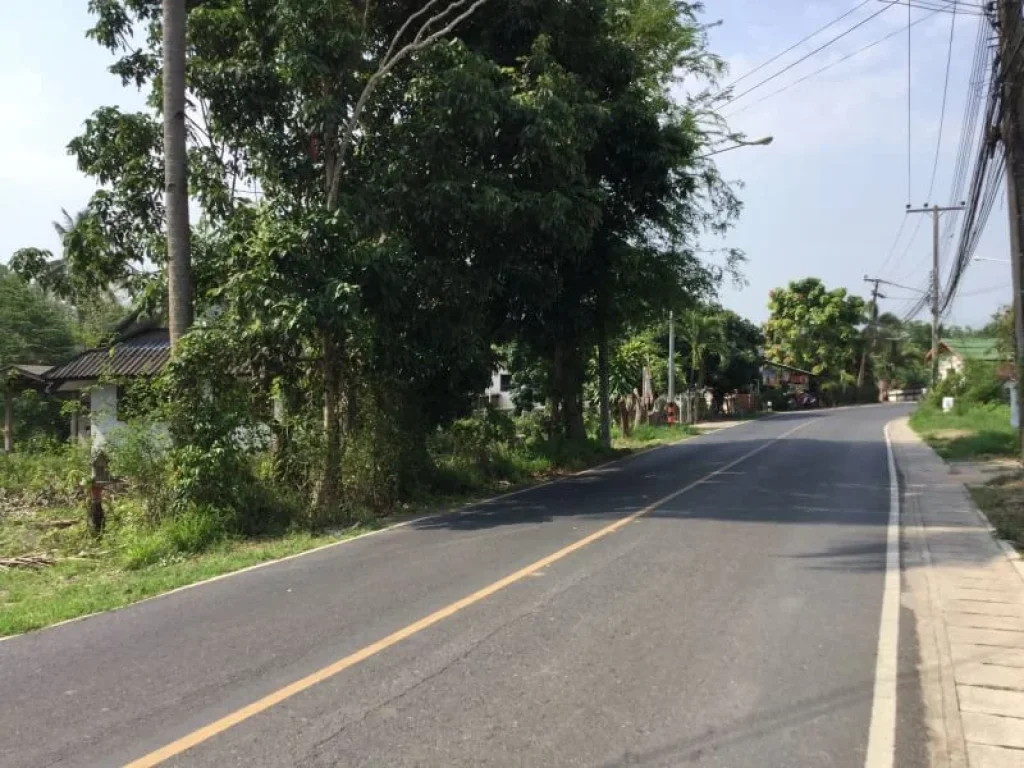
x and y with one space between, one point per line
881 751
206 732
467 508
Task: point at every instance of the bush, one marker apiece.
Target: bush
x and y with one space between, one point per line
49 472
977 384
188 533
774 399
834 393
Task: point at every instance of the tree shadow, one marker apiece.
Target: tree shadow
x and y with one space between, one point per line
795 481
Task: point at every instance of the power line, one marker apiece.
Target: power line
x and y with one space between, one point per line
803 58
990 289
797 44
909 127
942 111
829 66
968 134
965 8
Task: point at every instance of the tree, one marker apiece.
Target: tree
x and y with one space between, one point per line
703 334
391 191
179 258
741 365
34 329
618 258
813 328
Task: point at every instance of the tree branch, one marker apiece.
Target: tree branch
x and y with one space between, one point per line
390 60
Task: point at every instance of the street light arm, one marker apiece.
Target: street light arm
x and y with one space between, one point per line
762 142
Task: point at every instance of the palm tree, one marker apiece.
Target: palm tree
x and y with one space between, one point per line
703 332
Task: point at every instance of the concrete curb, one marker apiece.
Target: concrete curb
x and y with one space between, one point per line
947 747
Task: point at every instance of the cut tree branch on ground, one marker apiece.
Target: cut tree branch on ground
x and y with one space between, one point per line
26 561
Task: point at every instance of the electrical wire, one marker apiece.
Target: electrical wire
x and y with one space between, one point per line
909 127
942 111
797 44
803 58
984 188
965 8
830 65
969 132
983 291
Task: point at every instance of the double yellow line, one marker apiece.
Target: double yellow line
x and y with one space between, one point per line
207 732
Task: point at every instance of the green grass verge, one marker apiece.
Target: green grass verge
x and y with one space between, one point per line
1002 501
132 562
968 432
648 436
35 598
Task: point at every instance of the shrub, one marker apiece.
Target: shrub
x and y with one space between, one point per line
49 472
774 399
187 533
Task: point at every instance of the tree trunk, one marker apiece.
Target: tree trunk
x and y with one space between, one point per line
572 394
605 430
625 420
557 391
179 258
327 495
8 420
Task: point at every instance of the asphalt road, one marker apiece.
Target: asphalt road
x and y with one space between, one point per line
734 625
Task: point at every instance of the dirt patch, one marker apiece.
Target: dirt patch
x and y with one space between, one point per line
952 434
1002 501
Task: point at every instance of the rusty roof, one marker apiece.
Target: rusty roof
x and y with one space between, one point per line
144 353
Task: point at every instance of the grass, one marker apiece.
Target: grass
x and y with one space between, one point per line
648 435
970 431
41 493
31 599
1002 501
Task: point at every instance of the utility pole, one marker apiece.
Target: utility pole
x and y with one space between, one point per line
179 257
870 346
671 357
936 211
1009 27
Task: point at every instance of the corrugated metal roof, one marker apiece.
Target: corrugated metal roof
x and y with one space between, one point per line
975 348
143 354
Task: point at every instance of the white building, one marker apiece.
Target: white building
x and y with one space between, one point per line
499 394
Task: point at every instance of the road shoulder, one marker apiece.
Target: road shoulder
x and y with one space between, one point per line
968 602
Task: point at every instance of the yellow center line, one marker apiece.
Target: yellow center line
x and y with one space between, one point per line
232 719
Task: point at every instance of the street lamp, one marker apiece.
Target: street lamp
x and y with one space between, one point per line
986 258
762 142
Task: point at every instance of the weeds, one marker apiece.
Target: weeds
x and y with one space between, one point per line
970 431
1002 501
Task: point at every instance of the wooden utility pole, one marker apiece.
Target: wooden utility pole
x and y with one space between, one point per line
1010 30
671 357
179 256
8 419
936 211
872 323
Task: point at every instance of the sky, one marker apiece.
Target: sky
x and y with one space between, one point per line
825 199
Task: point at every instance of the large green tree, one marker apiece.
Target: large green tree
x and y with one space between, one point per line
814 328
390 190
34 328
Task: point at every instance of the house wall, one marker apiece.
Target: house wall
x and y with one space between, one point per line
103 413
948 363
496 396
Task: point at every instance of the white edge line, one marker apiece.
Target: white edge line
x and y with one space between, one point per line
461 509
881 751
